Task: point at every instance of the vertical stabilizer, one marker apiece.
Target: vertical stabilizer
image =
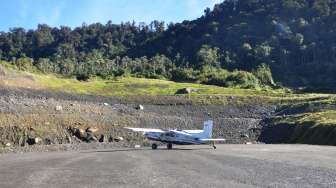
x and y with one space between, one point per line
207 130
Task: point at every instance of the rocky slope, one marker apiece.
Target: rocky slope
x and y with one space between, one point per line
33 117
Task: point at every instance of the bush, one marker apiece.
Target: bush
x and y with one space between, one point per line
223 78
24 63
82 77
264 74
44 65
214 76
242 79
181 74
120 72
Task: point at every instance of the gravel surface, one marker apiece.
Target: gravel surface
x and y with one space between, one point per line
188 166
49 114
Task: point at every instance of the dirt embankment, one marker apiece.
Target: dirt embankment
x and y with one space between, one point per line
29 117
293 125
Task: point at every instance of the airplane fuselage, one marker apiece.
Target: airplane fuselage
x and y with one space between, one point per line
175 137
179 137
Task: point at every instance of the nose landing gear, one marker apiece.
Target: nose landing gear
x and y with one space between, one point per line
169 146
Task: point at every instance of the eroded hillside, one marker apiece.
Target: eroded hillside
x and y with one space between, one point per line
40 109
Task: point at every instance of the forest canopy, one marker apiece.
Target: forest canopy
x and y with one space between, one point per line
244 43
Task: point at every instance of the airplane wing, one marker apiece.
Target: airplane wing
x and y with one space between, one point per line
193 131
212 139
145 130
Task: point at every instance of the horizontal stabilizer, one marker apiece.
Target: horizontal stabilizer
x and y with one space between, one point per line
145 130
212 139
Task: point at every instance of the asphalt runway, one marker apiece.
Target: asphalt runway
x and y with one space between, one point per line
188 166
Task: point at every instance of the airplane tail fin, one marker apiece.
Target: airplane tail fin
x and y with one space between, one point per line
207 130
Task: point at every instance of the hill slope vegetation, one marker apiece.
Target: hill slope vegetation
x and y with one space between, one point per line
292 39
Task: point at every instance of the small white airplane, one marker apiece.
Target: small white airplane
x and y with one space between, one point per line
180 137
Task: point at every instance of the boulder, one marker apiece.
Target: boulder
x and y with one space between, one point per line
38 140
8 145
90 137
58 108
184 91
92 129
118 138
81 134
244 136
110 139
31 141
101 138
47 141
139 107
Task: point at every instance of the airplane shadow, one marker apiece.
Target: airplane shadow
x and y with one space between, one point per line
145 149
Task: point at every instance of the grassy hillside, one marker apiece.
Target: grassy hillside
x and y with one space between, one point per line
123 86
126 86
310 118
130 87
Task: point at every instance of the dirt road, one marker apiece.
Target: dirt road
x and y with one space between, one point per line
188 166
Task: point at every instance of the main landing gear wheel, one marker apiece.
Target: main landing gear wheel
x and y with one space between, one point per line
169 146
213 145
154 146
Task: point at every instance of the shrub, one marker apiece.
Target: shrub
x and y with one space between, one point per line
181 74
242 79
214 77
24 63
264 74
82 77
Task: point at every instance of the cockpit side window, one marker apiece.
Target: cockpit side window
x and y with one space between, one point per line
170 134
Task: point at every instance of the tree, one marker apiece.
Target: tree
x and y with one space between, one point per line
44 65
208 56
264 74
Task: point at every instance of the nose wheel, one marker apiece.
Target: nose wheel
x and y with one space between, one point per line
169 146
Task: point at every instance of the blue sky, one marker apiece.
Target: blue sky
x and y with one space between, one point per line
28 13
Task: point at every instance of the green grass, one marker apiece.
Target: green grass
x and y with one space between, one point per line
140 86
128 87
132 87
310 128
315 119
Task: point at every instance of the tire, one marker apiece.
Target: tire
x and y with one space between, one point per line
169 146
154 146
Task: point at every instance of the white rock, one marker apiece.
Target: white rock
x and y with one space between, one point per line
38 140
106 104
8 144
58 108
140 107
